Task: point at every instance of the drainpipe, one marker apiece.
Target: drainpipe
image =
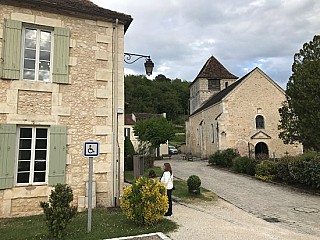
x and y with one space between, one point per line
115 118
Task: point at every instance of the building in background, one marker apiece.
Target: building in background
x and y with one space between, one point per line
130 120
240 114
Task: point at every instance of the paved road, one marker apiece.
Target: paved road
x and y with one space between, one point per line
293 210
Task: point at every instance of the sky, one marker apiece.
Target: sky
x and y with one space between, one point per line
180 35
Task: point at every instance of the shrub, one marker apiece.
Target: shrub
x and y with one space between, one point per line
244 165
128 147
305 169
145 202
152 174
223 158
266 170
58 211
128 154
283 172
128 163
194 184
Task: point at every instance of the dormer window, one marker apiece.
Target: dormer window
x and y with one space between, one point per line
259 122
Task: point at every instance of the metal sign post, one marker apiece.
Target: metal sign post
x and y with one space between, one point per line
91 149
90 193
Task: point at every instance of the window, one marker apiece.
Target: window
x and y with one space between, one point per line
36 54
32 155
214 84
32 151
226 84
212 132
44 55
127 132
259 122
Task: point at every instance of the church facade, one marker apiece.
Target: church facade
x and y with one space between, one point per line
240 114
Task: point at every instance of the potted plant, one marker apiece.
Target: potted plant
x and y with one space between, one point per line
194 183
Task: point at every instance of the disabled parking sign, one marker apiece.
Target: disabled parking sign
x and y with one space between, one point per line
91 149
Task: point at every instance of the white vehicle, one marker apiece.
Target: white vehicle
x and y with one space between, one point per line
173 150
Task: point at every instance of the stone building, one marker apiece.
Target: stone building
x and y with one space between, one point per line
61 78
130 120
240 114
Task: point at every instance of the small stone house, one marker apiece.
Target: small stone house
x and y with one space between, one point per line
240 114
62 84
130 120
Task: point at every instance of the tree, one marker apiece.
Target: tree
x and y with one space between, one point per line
155 131
157 96
300 115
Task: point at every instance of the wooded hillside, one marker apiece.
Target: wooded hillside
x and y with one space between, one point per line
159 95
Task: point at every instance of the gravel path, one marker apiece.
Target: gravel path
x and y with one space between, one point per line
291 214
222 220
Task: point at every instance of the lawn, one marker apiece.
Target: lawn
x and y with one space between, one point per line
181 187
106 223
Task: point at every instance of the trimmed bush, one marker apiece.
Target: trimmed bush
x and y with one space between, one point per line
305 169
58 211
266 170
194 184
283 172
244 165
145 202
223 158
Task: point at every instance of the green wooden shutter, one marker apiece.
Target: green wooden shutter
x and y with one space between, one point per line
58 154
11 49
60 66
7 154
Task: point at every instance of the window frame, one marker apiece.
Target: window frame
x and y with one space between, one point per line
32 160
37 68
260 122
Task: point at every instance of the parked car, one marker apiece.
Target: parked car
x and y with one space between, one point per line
173 150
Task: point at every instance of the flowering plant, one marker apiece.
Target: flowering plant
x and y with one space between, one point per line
145 201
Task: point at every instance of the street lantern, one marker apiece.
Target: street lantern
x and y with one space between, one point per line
148 65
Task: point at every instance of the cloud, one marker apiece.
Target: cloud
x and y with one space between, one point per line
180 35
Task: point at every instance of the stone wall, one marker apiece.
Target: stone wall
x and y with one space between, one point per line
235 116
84 106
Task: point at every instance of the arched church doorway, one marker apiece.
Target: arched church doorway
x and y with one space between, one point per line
261 151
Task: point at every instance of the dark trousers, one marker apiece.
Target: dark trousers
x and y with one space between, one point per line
169 193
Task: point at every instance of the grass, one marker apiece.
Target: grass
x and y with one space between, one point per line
106 223
181 187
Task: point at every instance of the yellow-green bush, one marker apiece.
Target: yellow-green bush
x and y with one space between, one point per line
266 170
145 201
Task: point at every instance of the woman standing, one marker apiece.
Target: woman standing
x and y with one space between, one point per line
167 180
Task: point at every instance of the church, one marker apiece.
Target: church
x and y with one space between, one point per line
242 114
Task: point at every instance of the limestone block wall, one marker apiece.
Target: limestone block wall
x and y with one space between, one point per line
202 139
257 95
84 106
235 116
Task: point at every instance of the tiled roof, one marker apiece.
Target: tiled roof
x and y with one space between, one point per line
213 69
76 8
143 116
220 95
128 119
